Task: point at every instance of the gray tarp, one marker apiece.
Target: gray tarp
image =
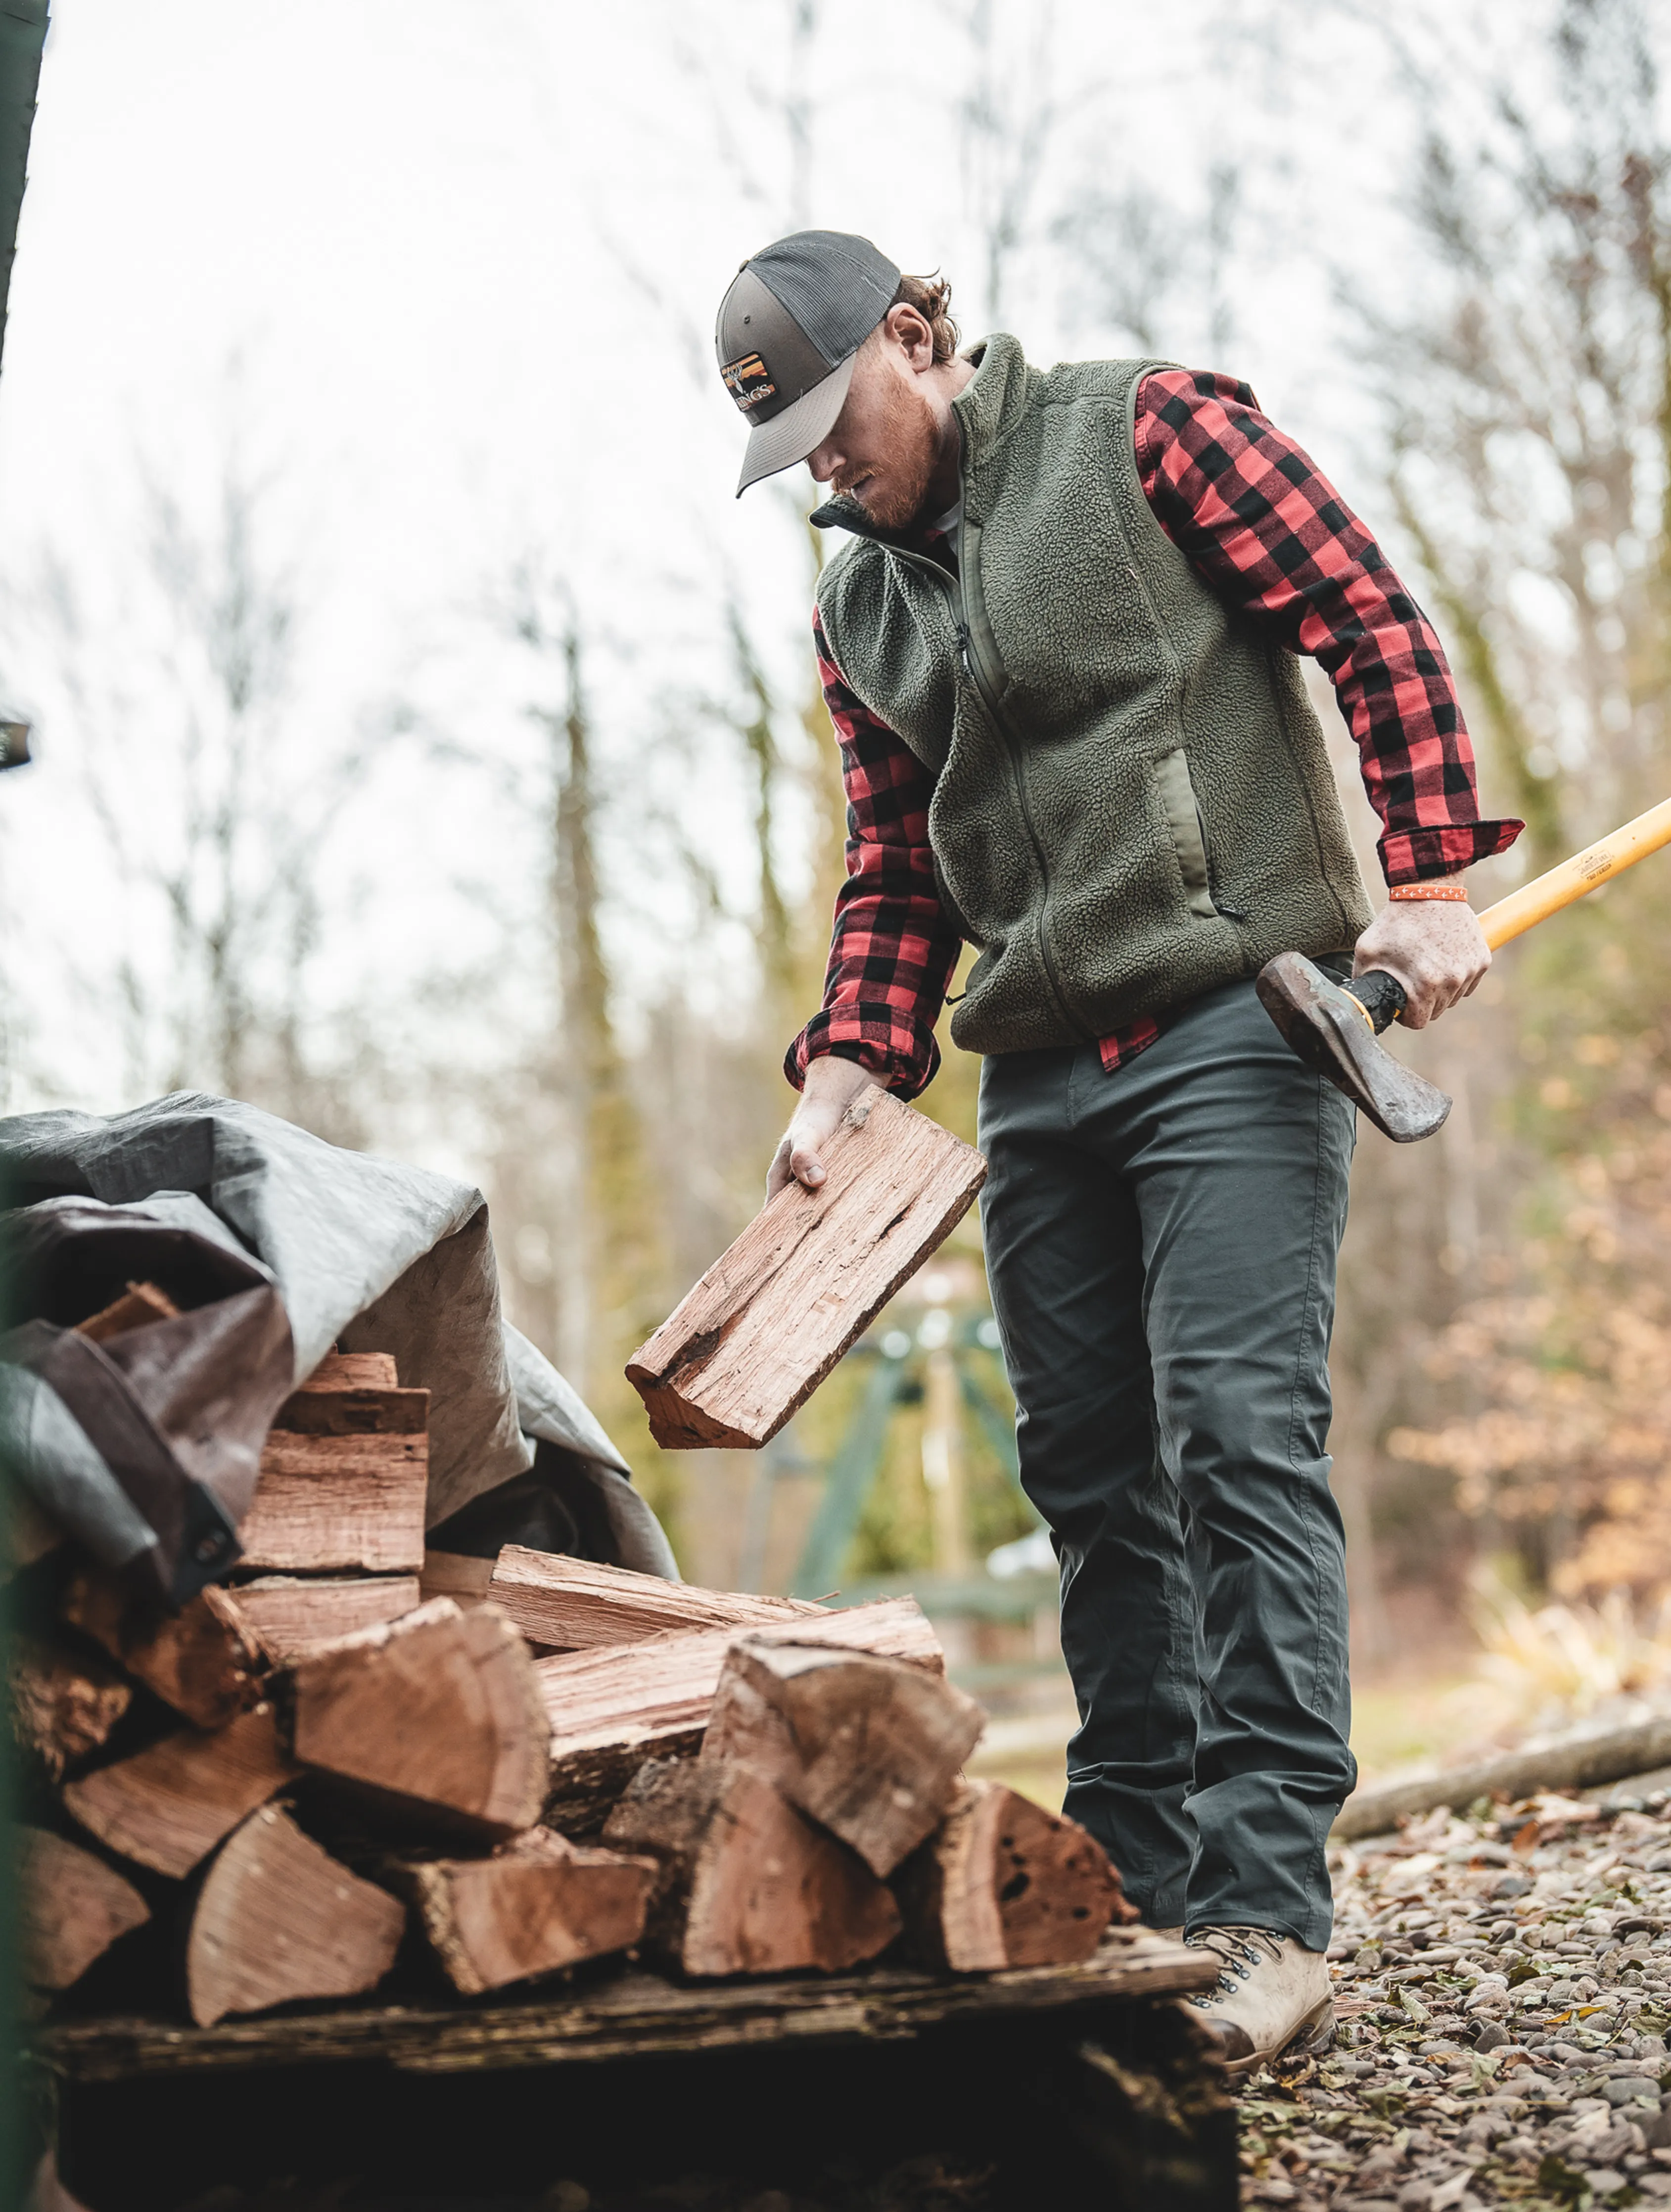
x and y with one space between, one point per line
365 1253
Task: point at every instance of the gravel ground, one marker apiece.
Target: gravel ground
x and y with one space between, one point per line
1503 1989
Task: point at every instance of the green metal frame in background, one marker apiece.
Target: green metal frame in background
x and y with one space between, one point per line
22 36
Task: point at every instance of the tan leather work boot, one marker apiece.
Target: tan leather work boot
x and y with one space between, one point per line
1272 1995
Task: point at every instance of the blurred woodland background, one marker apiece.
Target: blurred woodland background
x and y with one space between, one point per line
535 881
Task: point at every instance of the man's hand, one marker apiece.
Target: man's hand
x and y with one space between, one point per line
1435 947
832 1084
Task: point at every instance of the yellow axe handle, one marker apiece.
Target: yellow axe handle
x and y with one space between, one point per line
1547 895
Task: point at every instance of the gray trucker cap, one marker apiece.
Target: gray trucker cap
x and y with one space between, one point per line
795 315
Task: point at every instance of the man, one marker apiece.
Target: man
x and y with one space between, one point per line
1058 651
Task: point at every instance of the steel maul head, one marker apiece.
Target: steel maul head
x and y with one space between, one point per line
1324 1025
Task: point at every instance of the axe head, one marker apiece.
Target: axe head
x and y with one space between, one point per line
1330 1030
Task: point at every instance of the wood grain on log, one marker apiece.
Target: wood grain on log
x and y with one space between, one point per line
441 1708
1006 1884
457 1575
538 1904
292 1612
168 1806
749 1886
72 1908
869 1747
63 1703
140 1304
612 1708
571 1604
635 2014
278 1918
324 1504
205 1661
773 1315
353 1370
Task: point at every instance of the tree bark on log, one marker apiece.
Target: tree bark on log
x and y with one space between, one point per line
290 1613
868 1747
1003 1883
63 1705
441 1709
611 1709
539 1903
278 1918
205 1661
749 1886
773 1315
168 1806
72 1908
571 1605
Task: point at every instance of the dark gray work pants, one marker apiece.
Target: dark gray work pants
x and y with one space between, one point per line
1161 1244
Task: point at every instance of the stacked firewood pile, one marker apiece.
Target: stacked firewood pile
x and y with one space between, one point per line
354 1757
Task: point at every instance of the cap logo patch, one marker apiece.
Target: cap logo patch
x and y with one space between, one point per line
747 380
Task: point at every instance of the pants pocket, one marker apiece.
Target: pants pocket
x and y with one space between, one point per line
1183 819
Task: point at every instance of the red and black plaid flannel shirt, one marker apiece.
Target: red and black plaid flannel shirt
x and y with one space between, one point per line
1269 532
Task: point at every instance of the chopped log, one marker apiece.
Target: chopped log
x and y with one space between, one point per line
441 1709
327 1504
354 1394
571 1604
538 1904
292 1612
205 1661
1006 1884
168 1806
73 1907
139 1305
870 1748
351 1371
612 1708
749 1886
278 1918
773 1315
457 1574
63 1705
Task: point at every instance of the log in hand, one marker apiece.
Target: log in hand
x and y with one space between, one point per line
832 1084
1435 947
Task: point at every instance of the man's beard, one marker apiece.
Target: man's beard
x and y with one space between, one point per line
910 439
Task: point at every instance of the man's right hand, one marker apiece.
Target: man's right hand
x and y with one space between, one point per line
832 1084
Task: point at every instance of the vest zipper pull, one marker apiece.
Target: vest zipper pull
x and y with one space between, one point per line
964 649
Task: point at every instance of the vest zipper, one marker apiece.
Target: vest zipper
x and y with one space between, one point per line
969 653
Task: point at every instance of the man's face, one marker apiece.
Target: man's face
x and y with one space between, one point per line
883 450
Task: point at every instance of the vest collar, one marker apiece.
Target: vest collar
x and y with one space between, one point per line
986 409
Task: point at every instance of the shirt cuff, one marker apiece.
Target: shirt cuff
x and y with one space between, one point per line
1407 856
898 1047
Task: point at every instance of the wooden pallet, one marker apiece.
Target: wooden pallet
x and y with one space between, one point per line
604 2016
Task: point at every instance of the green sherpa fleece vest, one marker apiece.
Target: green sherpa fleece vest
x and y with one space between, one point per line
1132 798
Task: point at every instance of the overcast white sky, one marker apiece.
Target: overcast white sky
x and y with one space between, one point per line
449 274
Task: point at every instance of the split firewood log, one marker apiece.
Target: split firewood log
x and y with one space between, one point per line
168 1806
327 1504
613 1707
72 1908
570 1605
457 1575
290 1613
278 1918
749 1886
140 1304
205 1661
773 1313
1003 1883
441 1709
63 1703
354 1394
869 1747
538 1904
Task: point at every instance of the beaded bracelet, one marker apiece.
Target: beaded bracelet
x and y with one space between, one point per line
1402 892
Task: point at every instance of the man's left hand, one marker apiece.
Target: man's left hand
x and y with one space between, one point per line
1435 947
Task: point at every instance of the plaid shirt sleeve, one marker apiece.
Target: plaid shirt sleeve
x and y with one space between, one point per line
1275 540
893 950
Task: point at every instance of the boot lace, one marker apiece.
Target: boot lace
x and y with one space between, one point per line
1239 1951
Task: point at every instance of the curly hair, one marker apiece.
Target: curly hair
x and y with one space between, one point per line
931 298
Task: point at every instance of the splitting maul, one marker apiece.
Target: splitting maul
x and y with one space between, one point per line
1334 1026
